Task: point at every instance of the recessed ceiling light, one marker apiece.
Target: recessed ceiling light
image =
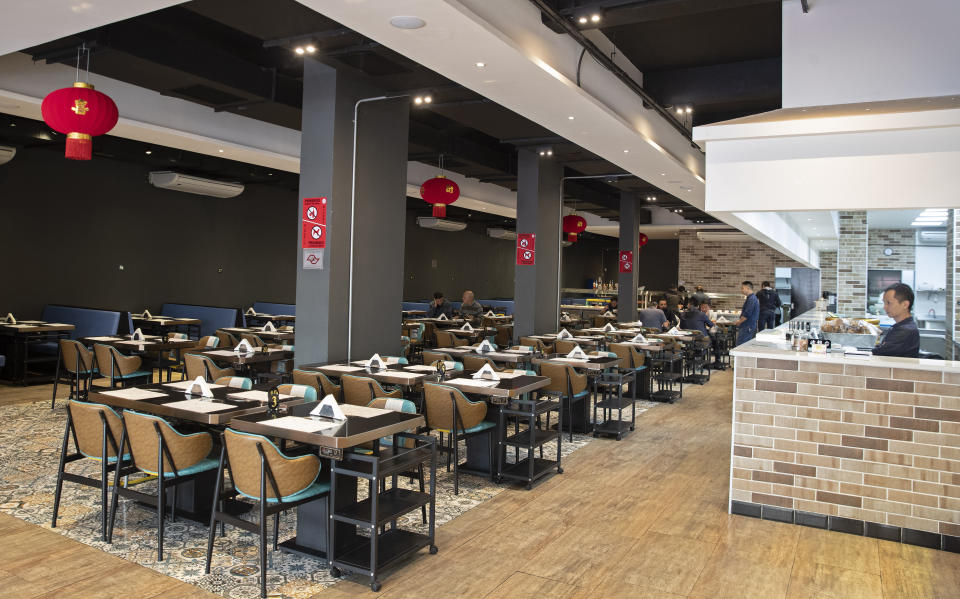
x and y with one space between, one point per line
407 22
311 49
427 99
418 100
13 124
595 18
663 174
480 65
298 50
582 20
220 150
570 118
626 151
148 152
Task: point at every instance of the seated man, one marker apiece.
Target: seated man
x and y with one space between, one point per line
653 317
612 305
695 320
439 306
669 312
470 308
903 338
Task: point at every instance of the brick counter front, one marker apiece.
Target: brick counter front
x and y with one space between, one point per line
866 441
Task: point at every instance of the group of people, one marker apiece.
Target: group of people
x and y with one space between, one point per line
470 308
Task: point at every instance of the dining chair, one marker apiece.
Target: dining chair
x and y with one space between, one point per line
504 336
158 449
118 368
209 342
307 392
448 339
386 443
361 390
227 340
78 369
202 366
562 346
318 381
96 430
235 382
567 384
537 344
449 411
261 472
478 362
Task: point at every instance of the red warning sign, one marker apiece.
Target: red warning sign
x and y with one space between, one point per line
626 261
526 241
525 257
314 223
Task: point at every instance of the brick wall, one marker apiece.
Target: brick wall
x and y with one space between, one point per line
872 443
901 241
828 271
852 263
720 266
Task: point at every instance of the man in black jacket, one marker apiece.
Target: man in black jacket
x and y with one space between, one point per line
903 338
769 304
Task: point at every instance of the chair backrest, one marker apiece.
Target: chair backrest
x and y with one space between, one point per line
504 335
439 408
186 450
307 392
444 339
235 382
291 475
209 341
429 357
227 339
534 343
318 381
559 374
478 362
87 422
397 405
630 356
564 347
196 365
253 340
76 358
360 390
109 362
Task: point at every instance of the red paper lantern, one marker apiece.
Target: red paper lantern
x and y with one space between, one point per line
643 239
439 191
573 225
81 113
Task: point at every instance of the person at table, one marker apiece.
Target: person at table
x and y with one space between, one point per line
769 301
612 305
749 314
669 312
653 318
439 306
470 308
699 296
673 299
694 319
903 338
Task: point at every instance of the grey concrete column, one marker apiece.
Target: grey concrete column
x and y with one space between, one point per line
539 209
952 287
852 263
629 235
376 217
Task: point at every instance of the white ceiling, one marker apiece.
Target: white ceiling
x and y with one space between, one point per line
891 219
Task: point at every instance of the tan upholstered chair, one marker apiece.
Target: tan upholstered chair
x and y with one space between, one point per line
254 340
197 365
227 340
307 392
448 339
432 357
75 367
96 430
450 412
563 346
118 368
260 471
567 384
235 382
478 362
630 356
209 342
318 381
361 390
538 345
157 448
504 336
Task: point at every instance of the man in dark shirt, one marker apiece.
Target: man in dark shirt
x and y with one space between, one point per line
700 296
439 306
669 311
695 320
673 299
903 338
747 323
470 308
769 301
653 318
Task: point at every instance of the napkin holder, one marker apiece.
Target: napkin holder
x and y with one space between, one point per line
490 313
609 328
577 353
137 335
244 348
329 408
639 338
10 319
484 346
200 382
250 311
486 373
608 314
375 363
442 317
146 313
564 334
269 328
466 327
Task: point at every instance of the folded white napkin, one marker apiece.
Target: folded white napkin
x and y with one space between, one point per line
243 347
674 331
329 408
202 384
639 338
487 373
269 328
576 353
442 317
137 335
251 312
564 334
376 363
723 320
10 319
489 313
485 346
146 313
609 327
466 327
608 313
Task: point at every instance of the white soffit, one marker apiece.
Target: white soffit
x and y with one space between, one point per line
27 23
532 70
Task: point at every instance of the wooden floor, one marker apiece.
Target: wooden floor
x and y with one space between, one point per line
643 518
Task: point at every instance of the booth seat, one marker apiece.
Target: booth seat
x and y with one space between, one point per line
415 306
211 318
88 322
497 305
272 308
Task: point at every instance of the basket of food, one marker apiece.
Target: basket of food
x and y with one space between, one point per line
856 332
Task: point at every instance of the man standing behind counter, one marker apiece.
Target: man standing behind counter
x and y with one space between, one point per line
747 323
903 338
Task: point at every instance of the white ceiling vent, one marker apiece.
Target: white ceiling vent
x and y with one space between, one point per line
440 224
190 184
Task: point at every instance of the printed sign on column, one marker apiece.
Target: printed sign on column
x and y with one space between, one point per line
626 261
526 241
525 257
314 223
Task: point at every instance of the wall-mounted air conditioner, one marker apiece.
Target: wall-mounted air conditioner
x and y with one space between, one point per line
6 154
499 233
723 236
440 224
931 237
190 184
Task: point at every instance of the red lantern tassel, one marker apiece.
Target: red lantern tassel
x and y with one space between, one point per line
439 210
572 237
79 146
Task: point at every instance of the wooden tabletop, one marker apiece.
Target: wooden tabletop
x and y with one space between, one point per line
278 335
150 343
227 356
393 374
160 406
496 356
355 430
476 332
505 387
592 363
34 326
281 317
165 320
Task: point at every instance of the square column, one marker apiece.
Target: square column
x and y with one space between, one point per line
539 211
852 263
629 236
354 302
952 299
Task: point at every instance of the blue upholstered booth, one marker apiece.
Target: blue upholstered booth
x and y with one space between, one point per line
415 306
211 318
272 308
88 322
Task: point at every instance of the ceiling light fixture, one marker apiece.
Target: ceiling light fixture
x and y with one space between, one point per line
582 20
148 152
220 150
407 22
570 118
481 65
311 49
299 50
595 18
626 151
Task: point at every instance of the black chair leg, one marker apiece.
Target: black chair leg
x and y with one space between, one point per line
103 497
161 504
276 530
263 549
456 463
63 464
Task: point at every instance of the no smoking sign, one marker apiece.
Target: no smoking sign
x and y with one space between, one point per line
314 223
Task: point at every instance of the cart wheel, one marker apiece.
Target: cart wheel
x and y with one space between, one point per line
433 549
633 428
619 437
559 470
375 586
335 572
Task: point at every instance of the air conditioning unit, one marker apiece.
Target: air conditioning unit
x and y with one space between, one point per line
190 184
499 233
6 154
931 237
440 224
723 236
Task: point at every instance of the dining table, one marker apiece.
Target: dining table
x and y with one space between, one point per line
167 324
149 345
248 363
283 335
20 343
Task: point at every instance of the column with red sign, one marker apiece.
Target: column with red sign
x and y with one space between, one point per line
314 232
526 250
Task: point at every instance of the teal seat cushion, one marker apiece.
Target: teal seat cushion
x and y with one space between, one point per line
110 460
312 491
581 394
201 466
480 427
133 375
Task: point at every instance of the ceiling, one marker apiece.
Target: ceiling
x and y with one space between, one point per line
237 56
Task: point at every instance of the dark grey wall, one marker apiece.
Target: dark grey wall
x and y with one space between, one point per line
658 264
67 226
589 259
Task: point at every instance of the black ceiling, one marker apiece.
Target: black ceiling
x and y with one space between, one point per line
236 56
